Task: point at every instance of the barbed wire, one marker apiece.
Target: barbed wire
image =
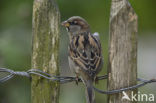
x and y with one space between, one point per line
66 79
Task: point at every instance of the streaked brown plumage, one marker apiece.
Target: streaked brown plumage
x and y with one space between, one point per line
85 55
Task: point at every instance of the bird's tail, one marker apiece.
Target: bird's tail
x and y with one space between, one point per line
90 96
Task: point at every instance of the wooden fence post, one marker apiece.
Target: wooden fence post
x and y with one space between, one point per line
122 68
46 21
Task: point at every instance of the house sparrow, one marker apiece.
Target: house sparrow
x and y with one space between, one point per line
85 55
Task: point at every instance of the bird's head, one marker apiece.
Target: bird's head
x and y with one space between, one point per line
76 25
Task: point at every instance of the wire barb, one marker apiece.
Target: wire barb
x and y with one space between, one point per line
65 79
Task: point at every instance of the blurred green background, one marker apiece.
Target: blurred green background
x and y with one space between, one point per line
16 35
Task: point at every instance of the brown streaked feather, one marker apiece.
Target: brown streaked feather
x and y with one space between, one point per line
81 46
92 42
79 62
88 60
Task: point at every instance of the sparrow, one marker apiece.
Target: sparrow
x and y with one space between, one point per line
84 53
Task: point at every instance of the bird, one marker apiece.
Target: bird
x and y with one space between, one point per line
84 53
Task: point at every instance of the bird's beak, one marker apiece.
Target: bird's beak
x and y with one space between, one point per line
65 24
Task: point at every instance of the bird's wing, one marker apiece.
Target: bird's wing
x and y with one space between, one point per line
85 51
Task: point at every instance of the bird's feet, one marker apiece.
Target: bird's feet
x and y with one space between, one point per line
96 80
77 80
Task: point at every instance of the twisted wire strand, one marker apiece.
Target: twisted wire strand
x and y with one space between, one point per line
67 79
144 82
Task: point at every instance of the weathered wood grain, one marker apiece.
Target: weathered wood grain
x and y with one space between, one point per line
122 68
46 21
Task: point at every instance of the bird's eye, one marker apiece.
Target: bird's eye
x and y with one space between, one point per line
73 23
